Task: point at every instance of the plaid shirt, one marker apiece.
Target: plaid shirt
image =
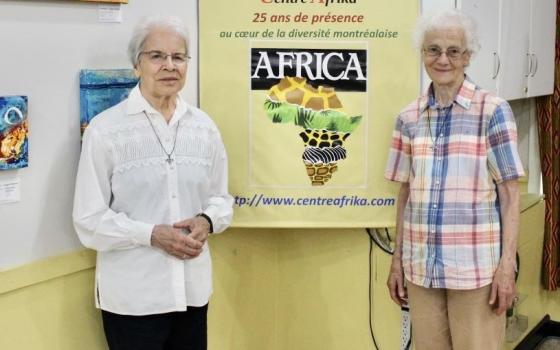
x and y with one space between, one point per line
453 158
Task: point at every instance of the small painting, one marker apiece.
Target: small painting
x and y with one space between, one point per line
14 145
108 1
101 89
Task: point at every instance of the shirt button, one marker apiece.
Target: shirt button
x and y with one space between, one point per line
433 231
173 196
434 206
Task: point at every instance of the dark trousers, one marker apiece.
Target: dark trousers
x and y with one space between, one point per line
184 330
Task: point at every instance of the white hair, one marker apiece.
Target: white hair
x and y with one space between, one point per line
147 25
445 20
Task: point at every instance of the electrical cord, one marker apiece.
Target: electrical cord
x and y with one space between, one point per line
387 235
518 264
409 342
370 294
382 242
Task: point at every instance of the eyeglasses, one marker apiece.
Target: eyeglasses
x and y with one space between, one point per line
453 53
158 57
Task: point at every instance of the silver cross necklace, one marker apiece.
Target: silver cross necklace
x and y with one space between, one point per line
169 160
440 127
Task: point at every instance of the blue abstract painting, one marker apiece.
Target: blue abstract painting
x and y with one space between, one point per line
101 89
14 146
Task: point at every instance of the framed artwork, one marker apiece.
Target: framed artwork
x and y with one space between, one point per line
101 89
108 1
14 146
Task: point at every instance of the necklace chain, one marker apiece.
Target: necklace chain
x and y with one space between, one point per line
169 160
439 126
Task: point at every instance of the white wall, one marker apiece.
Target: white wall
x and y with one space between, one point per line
43 46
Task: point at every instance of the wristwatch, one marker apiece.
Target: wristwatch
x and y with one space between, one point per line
207 219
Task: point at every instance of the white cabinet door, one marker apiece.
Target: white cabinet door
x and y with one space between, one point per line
542 37
514 49
484 65
517 40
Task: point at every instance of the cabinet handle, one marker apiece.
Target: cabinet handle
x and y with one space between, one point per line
496 65
530 65
536 64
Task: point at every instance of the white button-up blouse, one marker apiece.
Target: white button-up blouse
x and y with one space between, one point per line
125 186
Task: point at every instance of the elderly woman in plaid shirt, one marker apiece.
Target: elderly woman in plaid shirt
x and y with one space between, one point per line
454 151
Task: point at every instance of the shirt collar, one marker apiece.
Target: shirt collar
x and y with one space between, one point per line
137 104
463 98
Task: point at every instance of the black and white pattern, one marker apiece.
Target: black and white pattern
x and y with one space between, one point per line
323 155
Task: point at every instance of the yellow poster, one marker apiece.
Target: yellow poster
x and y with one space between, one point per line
305 93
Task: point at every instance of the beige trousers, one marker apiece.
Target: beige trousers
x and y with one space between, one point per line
447 319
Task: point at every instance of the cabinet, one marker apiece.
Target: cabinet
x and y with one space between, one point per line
483 67
542 38
513 69
517 40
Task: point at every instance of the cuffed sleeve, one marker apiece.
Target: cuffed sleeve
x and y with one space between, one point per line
399 161
503 158
220 202
97 225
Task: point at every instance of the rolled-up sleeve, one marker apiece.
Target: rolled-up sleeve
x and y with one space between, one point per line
399 161
97 225
220 203
503 157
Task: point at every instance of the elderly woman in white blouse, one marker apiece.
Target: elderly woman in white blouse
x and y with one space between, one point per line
151 187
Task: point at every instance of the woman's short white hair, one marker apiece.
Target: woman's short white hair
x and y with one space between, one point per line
147 25
445 20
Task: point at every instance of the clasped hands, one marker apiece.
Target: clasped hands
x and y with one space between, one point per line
183 240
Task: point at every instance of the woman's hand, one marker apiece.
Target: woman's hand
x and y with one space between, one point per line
503 292
198 228
175 242
395 282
